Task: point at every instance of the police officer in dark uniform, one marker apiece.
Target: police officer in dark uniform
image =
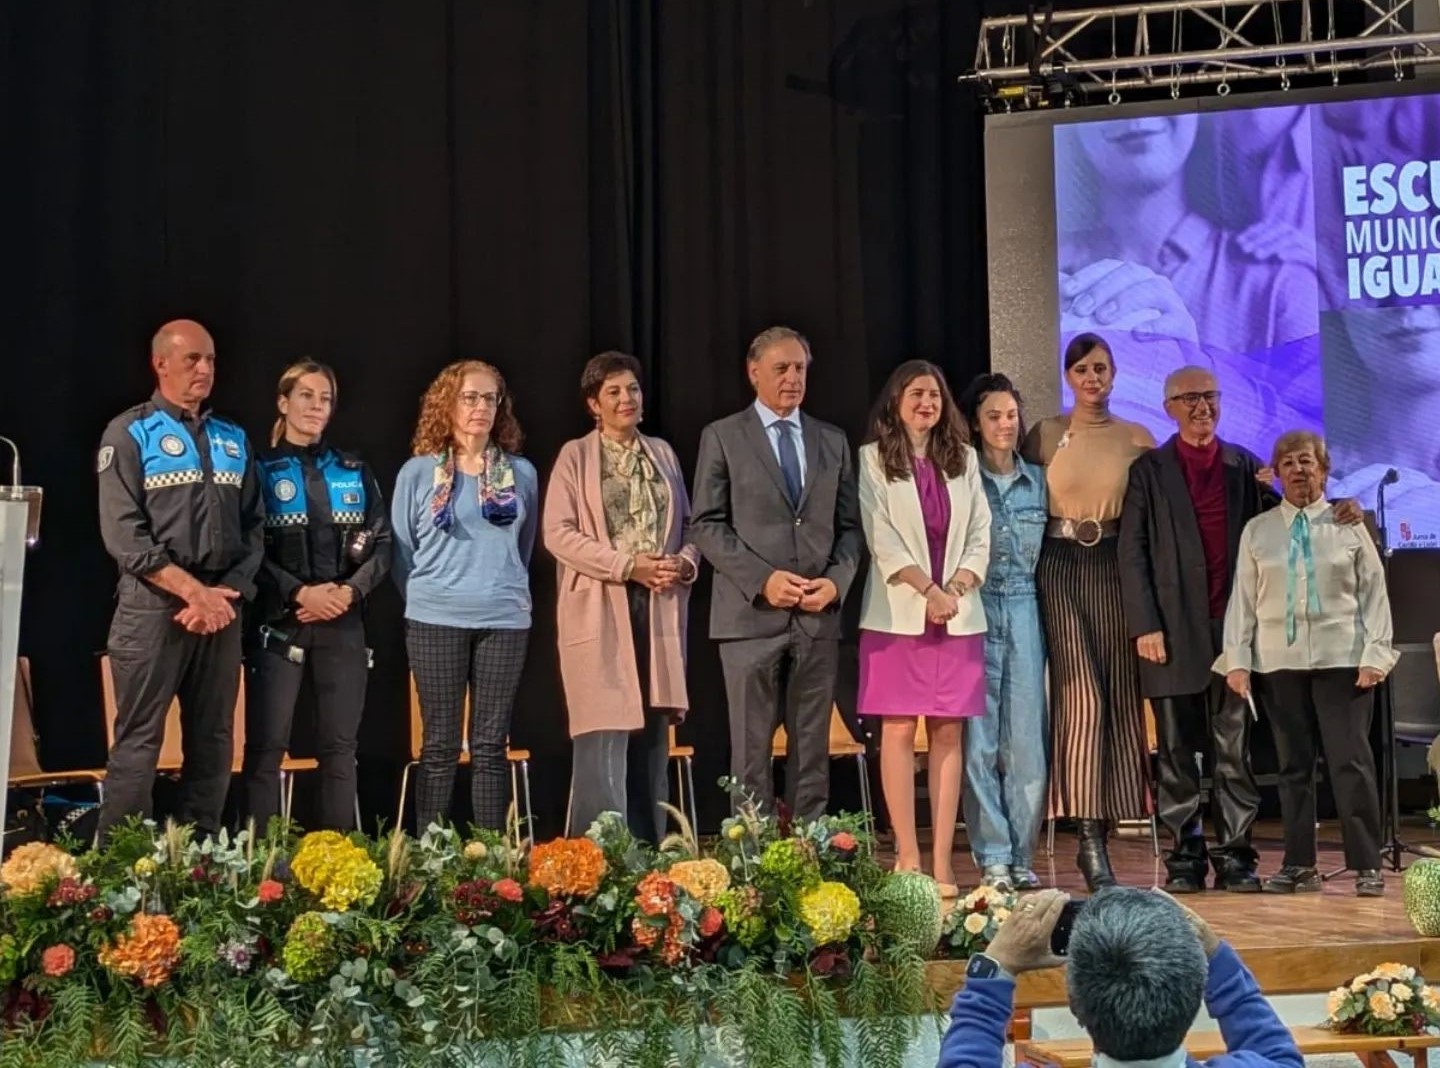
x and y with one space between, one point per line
182 514
327 546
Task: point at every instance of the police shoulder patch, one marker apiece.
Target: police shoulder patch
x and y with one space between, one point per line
104 458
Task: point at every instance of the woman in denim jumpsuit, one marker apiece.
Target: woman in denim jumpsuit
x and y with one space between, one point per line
1006 759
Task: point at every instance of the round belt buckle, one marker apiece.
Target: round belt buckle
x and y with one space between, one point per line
1081 525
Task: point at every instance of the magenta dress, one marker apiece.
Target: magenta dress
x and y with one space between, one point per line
929 674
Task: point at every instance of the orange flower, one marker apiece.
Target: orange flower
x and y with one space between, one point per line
270 892
568 867
508 890
148 952
655 894
57 961
711 920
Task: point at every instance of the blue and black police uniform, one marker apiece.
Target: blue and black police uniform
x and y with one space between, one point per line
175 488
325 522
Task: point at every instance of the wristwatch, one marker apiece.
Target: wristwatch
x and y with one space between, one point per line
985 967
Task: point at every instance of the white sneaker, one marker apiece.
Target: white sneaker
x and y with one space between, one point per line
997 877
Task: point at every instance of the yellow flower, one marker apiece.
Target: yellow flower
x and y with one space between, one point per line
704 880
1001 915
1392 971
1429 998
735 831
1381 1007
975 923
35 866
830 910
144 866
475 850
336 870
1360 982
1401 992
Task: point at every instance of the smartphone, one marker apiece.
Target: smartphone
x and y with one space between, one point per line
1060 934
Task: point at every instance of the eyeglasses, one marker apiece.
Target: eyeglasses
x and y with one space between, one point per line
1192 400
471 399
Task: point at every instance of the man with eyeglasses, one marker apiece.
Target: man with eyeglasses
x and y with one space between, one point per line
1185 506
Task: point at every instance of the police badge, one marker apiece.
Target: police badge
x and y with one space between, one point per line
171 445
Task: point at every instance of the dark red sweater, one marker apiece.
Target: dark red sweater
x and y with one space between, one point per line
1205 476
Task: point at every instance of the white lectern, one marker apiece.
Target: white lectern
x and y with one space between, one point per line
19 529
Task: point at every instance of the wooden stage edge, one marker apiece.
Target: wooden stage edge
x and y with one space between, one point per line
1294 944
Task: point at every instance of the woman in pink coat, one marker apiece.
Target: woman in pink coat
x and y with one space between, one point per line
615 514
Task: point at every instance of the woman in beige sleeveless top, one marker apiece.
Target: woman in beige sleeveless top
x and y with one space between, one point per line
1098 761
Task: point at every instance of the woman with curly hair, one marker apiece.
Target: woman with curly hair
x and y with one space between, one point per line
922 626
465 513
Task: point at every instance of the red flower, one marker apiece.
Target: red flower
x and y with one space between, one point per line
57 961
270 892
844 842
100 914
509 890
70 892
711 920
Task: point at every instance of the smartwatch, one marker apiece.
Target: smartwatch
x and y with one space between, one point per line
984 967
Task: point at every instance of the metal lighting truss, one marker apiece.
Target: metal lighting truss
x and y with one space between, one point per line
1042 58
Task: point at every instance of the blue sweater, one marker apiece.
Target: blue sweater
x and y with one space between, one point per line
1254 1035
476 575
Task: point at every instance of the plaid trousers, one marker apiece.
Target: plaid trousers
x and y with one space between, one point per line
448 662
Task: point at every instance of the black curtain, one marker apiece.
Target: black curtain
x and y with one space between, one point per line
392 186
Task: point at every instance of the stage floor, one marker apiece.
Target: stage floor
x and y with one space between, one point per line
1299 943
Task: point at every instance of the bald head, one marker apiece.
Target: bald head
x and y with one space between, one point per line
1193 401
182 354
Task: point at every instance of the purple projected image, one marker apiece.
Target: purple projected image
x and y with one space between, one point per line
1294 251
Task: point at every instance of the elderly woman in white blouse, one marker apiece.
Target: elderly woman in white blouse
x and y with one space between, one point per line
1308 625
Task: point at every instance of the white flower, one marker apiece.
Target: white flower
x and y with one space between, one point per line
1401 992
975 923
1001 915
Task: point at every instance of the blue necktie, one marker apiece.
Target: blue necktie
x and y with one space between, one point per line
789 461
1300 553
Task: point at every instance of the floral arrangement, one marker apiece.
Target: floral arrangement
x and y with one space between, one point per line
1394 999
972 924
325 948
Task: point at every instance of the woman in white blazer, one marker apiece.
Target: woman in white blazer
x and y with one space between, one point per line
922 626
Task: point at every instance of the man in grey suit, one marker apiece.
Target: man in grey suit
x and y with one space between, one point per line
776 513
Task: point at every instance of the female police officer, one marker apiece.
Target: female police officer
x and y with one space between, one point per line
327 546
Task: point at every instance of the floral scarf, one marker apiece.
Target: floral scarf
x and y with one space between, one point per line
498 501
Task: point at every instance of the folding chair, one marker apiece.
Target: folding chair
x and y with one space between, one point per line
519 760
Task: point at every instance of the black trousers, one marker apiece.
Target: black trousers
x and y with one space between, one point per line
1324 708
452 664
625 771
788 678
337 664
1214 722
153 660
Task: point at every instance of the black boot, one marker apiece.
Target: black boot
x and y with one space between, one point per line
1094 861
1185 866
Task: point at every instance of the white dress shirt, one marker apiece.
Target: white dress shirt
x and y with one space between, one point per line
768 419
1352 627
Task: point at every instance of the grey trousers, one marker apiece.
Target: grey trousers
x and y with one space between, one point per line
624 771
789 679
